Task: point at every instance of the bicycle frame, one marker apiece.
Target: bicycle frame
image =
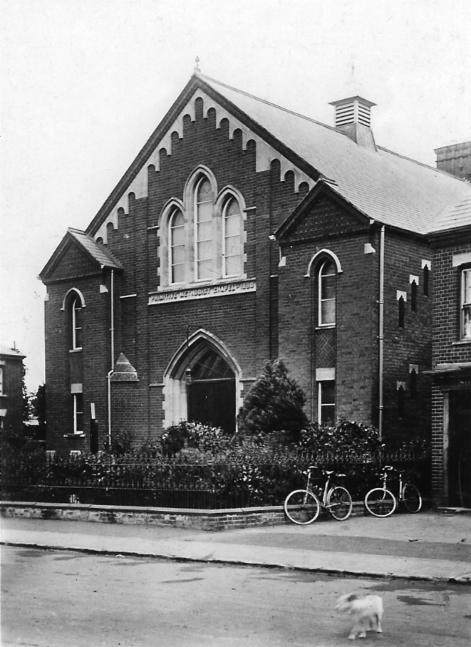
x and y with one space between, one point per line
325 487
400 489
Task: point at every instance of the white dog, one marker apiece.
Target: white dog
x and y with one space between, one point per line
367 612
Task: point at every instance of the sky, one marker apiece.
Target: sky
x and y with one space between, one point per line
85 82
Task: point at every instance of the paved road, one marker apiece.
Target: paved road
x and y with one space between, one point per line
57 598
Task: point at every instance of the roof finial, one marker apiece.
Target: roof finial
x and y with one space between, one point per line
197 64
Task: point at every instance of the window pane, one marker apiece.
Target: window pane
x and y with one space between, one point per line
204 231
178 255
233 266
232 226
328 312
178 273
328 415
204 212
205 250
328 392
232 246
204 191
177 235
467 286
205 269
467 322
327 287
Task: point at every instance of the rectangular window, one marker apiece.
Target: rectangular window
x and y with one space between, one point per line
466 303
1 380
78 413
326 402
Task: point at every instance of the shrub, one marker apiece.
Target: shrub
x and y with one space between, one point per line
274 403
193 435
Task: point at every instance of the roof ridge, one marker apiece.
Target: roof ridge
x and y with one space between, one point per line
273 105
427 166
320 123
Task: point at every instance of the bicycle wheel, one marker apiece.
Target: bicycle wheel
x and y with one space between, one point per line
411 497
380 502
302 507
339 503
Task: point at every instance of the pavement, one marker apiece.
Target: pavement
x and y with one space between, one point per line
425 546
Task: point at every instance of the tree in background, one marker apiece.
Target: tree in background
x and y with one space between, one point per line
274 403
38 410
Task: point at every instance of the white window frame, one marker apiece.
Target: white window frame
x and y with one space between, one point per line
196 240
174 214
73 319
320 300
321 404
77 412
464 305
227 201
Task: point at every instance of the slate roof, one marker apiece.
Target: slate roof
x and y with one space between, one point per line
98 252
455 215
388 187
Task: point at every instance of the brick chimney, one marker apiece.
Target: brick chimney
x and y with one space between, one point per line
455 159
353 117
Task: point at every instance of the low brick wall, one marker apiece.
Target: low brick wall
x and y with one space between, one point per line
175 517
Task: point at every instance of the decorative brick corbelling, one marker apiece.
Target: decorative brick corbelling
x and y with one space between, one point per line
265 155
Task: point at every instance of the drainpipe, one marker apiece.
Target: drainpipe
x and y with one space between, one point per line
110 372
381 334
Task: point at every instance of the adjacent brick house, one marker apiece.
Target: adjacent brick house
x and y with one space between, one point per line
11 387
451 394
243 232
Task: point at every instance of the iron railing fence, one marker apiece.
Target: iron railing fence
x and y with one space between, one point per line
147 479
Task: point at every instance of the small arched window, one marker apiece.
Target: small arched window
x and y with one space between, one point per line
327 277
231 238
75 306
176 257
203 223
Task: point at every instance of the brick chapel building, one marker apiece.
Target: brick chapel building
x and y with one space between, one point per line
244 232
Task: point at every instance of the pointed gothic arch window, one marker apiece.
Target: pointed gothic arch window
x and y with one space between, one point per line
74 313
232 260
203 229
326 293
176 245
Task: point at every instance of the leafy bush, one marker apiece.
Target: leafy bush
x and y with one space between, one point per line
274 403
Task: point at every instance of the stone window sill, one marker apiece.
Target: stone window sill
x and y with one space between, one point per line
462 342
79 434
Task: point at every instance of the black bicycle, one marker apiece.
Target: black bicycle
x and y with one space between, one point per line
303 506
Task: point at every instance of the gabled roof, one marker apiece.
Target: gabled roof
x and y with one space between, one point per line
97 253
388 187
322 188
385 186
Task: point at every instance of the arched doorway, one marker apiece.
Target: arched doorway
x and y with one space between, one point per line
202 384
211 391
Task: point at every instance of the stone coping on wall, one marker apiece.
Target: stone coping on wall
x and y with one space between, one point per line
219 519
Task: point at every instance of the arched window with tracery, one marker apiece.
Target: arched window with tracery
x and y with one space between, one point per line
232 261
176 245
326 293
203 230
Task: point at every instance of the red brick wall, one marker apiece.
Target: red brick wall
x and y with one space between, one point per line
447 348
410 344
